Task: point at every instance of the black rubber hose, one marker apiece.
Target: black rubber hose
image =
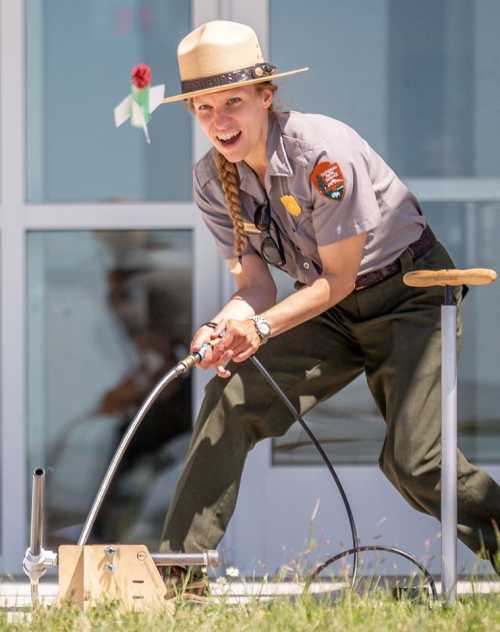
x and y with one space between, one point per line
355 549
324 456
375 547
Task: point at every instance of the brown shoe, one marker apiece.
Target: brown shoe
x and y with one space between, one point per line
184 583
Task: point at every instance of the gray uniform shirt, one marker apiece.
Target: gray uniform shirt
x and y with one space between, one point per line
324 183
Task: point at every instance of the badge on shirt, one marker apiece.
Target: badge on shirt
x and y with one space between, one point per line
291 205
328 178
250 228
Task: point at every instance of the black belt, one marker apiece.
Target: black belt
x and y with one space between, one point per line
418 248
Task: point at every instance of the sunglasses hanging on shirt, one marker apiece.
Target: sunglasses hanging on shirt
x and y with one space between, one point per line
272 250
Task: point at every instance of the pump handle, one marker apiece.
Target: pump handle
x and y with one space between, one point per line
428 278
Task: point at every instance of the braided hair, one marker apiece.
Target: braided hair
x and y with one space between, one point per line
228 174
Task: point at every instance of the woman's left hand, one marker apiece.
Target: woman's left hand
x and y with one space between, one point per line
239 339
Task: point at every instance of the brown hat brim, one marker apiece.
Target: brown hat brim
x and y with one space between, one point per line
230 86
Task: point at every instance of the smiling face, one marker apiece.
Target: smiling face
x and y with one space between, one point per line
235 121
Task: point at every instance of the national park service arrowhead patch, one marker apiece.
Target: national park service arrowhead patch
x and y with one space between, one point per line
328 179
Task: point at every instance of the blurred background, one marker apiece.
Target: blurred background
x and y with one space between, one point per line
106 268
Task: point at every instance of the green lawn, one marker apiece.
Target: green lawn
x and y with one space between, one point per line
376 611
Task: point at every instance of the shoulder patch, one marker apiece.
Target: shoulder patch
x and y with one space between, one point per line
328 179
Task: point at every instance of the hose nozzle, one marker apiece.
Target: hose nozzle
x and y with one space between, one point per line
192 359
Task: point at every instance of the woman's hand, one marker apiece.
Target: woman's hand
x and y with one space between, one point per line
234 340
215 357
238 341
203 336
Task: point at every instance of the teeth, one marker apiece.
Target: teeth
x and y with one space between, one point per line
227 135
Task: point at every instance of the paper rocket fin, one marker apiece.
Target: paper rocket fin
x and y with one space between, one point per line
122 111
156 95
138 119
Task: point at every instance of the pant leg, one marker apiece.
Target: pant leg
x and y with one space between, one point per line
310 362
404 375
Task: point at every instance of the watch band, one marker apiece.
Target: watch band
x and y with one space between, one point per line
262 327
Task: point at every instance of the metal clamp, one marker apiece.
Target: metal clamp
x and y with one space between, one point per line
35 566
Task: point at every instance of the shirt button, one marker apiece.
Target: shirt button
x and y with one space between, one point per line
306 265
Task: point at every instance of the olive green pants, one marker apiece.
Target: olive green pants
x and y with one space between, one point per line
390 331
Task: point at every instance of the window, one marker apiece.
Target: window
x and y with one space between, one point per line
79 57
109 312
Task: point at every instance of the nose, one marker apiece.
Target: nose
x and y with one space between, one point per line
221 119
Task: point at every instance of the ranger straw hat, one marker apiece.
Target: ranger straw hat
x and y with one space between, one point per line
220 55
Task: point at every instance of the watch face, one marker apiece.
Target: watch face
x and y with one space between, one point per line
264 328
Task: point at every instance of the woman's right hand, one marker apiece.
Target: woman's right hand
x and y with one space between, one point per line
215 356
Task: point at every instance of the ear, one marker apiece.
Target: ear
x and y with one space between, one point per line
267 97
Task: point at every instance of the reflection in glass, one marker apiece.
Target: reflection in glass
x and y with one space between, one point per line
349 425
109 313
419 80
79 56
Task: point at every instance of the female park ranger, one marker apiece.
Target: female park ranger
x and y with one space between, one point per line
307 194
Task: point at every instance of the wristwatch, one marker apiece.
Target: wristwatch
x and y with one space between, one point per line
263 327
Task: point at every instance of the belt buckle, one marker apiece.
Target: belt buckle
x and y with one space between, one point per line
375 275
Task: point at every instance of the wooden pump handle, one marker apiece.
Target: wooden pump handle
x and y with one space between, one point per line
428 278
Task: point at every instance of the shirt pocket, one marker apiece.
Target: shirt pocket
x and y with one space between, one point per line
298 209
303 229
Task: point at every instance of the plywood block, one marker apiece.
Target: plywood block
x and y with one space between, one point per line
118 571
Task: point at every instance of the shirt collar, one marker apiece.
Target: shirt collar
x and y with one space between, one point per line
278 163
248 179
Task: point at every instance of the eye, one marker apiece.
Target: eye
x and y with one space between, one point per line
204 107
233 100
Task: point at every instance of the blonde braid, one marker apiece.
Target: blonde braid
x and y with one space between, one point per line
228 175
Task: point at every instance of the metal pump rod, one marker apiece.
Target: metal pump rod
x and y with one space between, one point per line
449 471
449 447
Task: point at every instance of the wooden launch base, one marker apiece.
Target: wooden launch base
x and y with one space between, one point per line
125 572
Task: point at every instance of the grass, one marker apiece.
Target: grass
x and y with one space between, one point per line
350 611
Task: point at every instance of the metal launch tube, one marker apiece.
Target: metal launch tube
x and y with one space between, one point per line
37 507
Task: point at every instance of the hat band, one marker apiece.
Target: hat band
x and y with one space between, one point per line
235 76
